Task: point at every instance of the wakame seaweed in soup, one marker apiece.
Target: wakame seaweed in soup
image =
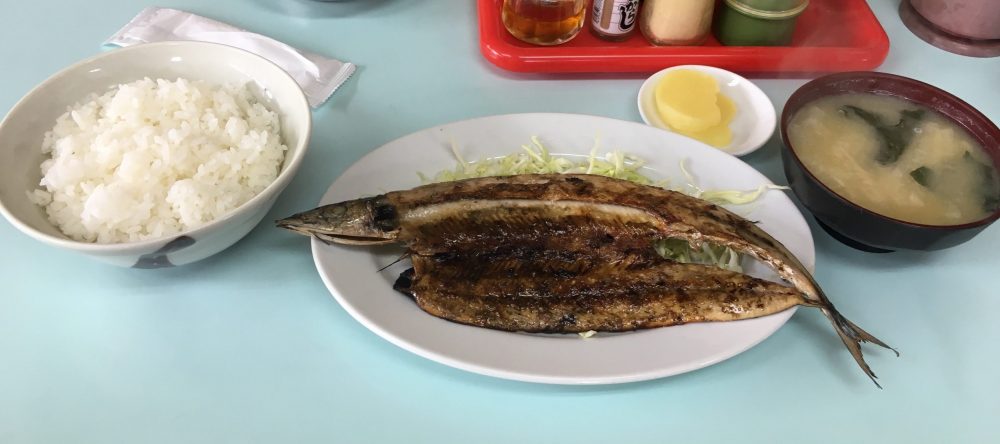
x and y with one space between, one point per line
896 158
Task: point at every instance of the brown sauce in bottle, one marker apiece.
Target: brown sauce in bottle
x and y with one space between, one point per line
544 22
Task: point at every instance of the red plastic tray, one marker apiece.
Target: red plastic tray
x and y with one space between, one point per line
831 36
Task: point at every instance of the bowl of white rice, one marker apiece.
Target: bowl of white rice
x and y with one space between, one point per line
154 155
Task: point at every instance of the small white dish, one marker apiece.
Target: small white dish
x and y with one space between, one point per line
755 118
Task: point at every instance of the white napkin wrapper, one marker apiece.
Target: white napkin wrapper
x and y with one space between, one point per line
318 76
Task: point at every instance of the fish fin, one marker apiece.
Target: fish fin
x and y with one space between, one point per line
404 284
852 336
864 336
404 256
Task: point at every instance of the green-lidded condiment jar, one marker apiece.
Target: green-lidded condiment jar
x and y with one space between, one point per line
757 22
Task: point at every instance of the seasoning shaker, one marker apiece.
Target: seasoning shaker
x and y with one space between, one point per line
757 22
676 22
614 20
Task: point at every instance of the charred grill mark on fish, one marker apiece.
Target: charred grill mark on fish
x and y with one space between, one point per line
605 218
518 224
603 298
518 261
473 275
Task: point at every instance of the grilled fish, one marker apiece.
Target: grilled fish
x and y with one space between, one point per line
629 295
553 214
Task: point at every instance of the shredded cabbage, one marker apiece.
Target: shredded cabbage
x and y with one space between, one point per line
724 197
535 158
737 197
679 250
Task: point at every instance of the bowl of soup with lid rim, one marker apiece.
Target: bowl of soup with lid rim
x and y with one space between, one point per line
861 225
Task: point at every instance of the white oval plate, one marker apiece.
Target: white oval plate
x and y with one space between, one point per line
352 276
755 118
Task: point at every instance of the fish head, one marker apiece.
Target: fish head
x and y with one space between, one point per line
368 221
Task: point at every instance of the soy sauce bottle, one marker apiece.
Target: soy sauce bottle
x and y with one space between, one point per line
614 20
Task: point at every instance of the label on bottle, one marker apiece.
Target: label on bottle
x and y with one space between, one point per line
614 17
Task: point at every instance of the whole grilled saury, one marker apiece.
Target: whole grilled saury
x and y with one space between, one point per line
555 218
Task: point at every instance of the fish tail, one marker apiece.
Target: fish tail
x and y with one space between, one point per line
852 335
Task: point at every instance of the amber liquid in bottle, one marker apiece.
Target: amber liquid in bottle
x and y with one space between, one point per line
544 22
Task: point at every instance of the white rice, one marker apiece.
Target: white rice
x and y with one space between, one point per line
156 157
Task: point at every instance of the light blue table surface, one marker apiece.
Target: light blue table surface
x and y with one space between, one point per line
248 346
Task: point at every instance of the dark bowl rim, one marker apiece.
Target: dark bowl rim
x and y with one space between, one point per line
786 116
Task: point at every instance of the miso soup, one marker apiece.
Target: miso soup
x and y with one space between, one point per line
896 158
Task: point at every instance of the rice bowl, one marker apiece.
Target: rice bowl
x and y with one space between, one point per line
153 158
22 134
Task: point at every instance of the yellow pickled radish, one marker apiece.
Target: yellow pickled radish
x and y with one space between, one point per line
687 100
719 135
